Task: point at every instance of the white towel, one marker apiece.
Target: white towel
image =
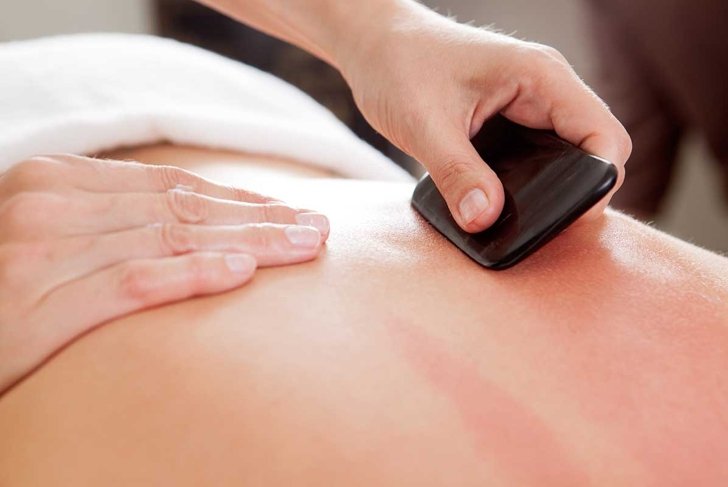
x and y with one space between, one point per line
89 93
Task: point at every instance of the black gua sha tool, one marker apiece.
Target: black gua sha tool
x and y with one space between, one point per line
548 184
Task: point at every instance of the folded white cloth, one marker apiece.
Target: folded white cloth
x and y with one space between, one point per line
89 93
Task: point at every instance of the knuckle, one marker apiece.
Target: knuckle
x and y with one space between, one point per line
137 281
186 206
134 282
540 53
539 64
198 264
32 174
540 71
260 237
239 194
450 173
170 177
43 161
272 212
266 213
552 53
175 239
199 271
624 144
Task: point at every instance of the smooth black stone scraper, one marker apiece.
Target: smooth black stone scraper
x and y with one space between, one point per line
548 184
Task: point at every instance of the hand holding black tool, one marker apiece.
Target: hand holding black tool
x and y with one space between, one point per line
548 184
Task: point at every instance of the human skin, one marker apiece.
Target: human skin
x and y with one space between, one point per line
428 83
85 240
392 359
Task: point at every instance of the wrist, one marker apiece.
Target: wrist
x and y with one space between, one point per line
363 33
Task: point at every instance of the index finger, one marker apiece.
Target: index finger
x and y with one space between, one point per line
569 107
585 121
109 176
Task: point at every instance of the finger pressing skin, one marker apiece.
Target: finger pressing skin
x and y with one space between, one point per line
269 244
473 192
109 176
551 95
563 102
137 285
607 138
584 120
120 211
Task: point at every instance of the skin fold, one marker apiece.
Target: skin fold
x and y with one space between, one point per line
392 359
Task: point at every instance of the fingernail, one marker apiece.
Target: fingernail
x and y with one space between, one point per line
316 220
304 237
472 205
240 263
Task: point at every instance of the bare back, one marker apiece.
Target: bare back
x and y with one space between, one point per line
393 359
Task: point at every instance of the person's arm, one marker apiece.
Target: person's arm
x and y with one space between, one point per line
83 241
428 84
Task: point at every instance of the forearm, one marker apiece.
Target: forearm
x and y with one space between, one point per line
428 84
329 29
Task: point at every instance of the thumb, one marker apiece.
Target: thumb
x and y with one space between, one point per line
473 192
